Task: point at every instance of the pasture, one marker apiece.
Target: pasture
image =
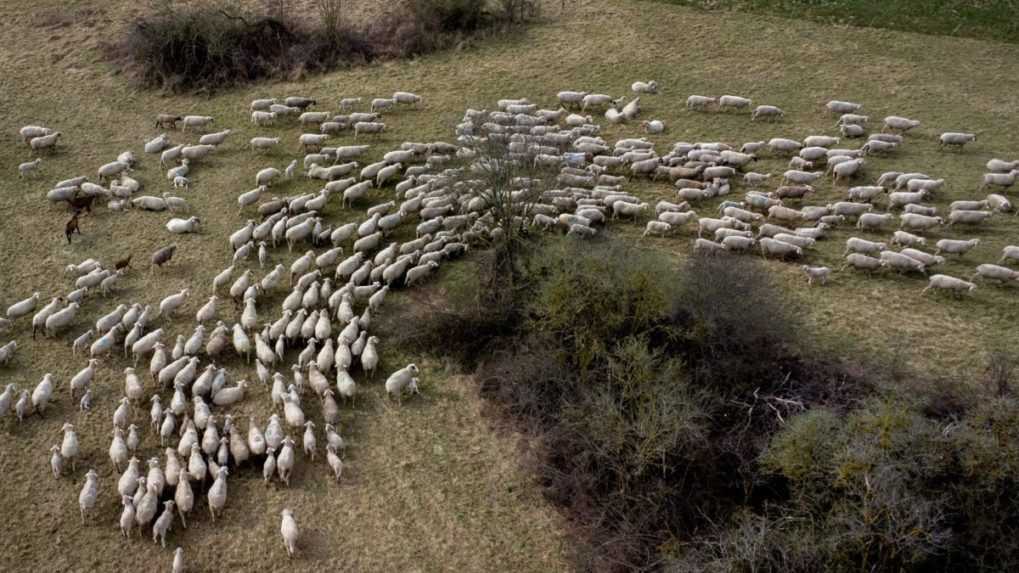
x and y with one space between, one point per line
431 486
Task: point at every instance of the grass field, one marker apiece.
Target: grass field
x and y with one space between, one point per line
988 20
431 486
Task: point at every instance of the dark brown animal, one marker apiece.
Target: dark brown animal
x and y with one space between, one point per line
79 202
167 120
163 256
124 263
72 227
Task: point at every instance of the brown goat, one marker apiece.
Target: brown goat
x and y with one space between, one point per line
72 227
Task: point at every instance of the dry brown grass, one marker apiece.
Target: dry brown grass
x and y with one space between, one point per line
431 488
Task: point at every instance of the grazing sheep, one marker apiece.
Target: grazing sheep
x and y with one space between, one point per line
650 87
945 282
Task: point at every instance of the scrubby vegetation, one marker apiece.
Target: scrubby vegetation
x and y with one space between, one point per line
987 19
686 420
205 46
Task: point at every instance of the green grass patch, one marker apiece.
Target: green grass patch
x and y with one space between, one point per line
986 19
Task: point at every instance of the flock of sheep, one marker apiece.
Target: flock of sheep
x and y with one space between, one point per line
340 282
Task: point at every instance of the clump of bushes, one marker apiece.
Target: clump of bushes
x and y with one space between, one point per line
684 420
205 46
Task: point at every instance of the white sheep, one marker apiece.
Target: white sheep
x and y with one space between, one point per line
28 167
381 104
217 493
263 118
954 139
842 107
900 262
89 493
861 262
819 274
767 111
917 222
402 379
163 523
182 226
44 141
368 127
734 102
195 121
289 531
650 87
896 123
945 282
30 132
406 98
955 246
1000 179
660 228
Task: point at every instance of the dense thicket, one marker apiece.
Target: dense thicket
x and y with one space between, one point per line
686 419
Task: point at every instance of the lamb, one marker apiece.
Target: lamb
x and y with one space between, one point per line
727 102
289 531
945 282
89 493
767 111
819 274
47 142
896 123
195 121
28 167
857 245
861 262
182 226
178 561
955 247
954 139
